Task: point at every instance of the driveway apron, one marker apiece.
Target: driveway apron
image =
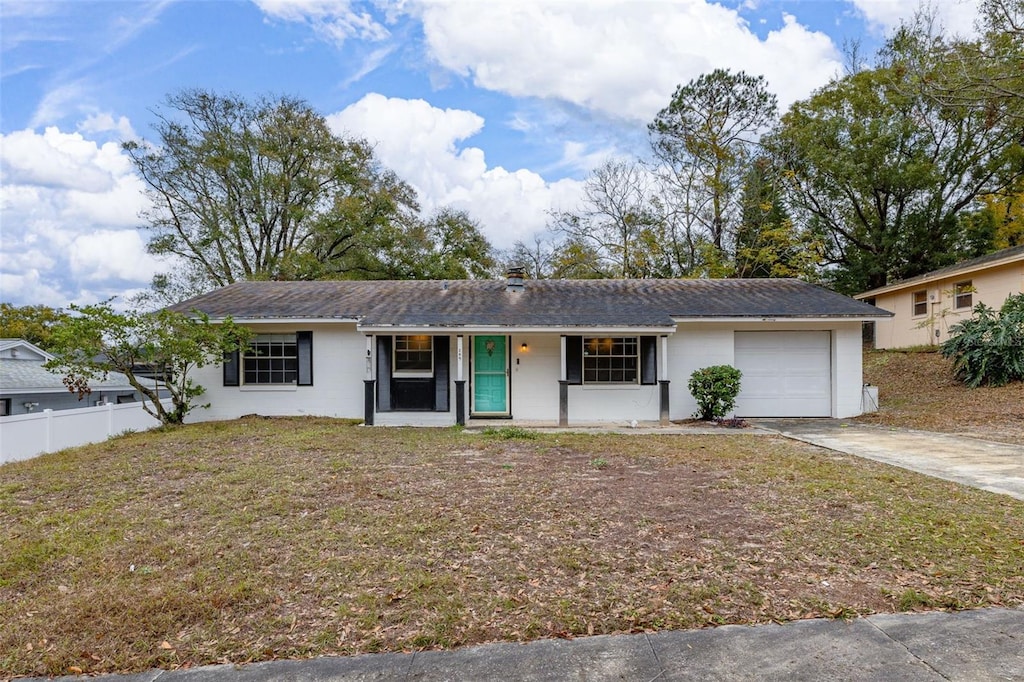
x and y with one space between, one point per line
995 467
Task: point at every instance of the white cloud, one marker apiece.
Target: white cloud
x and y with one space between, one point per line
53 159
70 210
58 102
622 59
333 20
110 254
956 16
105 122
420 143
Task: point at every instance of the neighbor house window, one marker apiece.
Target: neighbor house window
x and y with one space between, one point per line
920 303
962 292
414 355
271 359
5 407
610 360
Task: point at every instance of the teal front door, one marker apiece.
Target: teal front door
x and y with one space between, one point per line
490 375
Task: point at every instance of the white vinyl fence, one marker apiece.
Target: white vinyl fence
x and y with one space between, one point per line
24 436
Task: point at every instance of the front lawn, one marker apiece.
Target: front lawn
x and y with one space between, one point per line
277 538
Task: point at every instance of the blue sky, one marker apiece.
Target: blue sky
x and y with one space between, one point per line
499 108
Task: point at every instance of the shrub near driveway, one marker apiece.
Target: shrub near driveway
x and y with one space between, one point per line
273 538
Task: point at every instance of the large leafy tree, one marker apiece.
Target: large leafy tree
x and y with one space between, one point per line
95 340
703 141
448 245
619 230
33 323
985 73
881 171
263 189
768 242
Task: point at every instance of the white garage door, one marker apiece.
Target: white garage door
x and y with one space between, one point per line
785 374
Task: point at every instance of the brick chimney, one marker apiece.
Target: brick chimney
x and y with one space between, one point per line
515 279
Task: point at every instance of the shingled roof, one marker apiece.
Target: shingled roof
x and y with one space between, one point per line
539 303
1001 257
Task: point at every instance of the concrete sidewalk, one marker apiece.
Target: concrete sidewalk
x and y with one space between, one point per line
974 646
996 467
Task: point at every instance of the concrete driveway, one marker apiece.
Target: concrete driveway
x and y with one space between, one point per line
996 467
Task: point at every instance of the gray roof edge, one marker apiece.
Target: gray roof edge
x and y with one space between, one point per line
996 258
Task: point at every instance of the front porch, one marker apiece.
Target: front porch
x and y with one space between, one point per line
525 377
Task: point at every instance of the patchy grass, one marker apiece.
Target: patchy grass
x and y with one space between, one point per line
279 538
917 390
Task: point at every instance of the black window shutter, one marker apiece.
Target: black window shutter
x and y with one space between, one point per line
648 360
383 373
441 373
305 348
574 359
231 368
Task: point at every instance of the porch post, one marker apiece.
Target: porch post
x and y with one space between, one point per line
663 383
563 391
460 385
369 384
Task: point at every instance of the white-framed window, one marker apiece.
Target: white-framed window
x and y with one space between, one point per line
962 293
611 360
920 303
414 356
271 359
5 407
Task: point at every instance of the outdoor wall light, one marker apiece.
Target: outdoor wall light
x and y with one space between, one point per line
524 348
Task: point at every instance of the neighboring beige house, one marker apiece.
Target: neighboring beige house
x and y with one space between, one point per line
925 307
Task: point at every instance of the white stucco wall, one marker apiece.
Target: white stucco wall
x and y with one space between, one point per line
339 364
535 374
700 344
694 345
617 404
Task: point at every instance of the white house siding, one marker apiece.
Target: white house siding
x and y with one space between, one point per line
535 374
694 345
847 370
613 404
339 367
700 344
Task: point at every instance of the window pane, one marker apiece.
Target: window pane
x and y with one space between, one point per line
271 359
414 353
610 360
920 302
964 299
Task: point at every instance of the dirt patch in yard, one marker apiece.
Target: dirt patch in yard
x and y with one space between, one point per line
281 538
917 391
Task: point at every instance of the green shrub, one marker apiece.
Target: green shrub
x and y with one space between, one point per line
988 348
715 389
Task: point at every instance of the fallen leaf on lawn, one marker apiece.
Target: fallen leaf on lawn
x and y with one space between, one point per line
166 645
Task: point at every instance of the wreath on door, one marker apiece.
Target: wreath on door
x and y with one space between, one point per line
489 345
